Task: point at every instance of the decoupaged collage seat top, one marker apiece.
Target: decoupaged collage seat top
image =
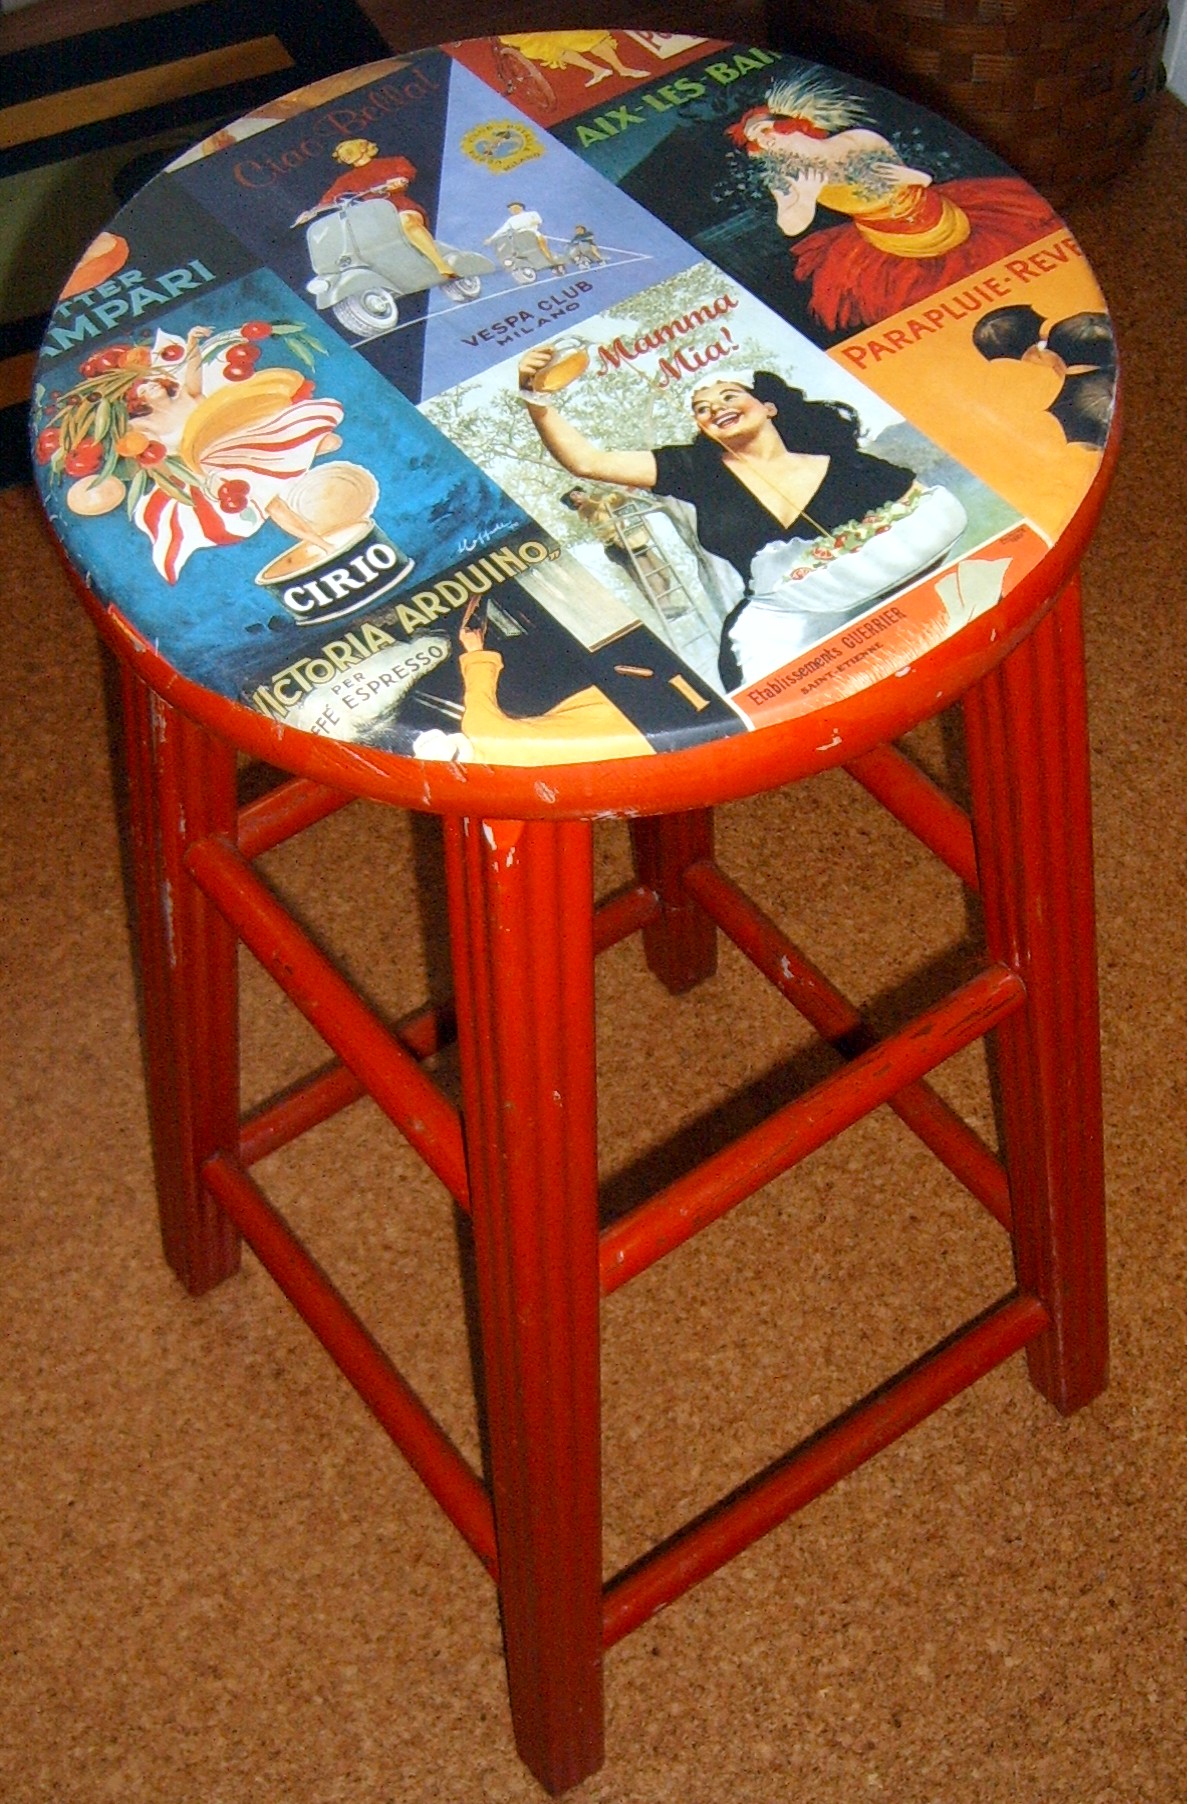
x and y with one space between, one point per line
569 396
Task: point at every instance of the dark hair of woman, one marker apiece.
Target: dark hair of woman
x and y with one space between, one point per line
822 428
137 405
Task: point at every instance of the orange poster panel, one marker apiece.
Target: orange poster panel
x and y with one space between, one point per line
1011 370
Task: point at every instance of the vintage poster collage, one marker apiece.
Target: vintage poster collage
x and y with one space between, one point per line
568 396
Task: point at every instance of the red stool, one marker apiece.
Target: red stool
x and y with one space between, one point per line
524 935
520 1158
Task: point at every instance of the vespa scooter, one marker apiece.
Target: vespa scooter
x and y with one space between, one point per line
363 264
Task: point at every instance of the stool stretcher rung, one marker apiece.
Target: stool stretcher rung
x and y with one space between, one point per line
409 1098
831 1013
820 1462
674 1214
304 1105
289 809
361 1359
623 914
285 811
920 806
323 1093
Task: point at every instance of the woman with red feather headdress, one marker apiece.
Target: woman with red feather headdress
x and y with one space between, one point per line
906 236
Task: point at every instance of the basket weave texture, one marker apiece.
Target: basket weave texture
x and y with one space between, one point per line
1064 90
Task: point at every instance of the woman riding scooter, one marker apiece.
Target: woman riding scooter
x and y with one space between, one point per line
370 244
369 173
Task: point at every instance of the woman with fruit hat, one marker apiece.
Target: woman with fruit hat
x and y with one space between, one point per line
201 443
161 404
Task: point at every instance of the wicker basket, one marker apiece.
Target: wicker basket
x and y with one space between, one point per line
1063 89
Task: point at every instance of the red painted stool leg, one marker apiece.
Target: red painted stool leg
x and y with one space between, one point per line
182 787
1028 761
681 944
521 905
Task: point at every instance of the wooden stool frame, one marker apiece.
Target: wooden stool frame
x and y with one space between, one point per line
520 1158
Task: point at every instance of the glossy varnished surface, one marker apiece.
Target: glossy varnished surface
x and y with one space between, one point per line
294 430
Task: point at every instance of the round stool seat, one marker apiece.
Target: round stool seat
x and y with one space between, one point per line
372 504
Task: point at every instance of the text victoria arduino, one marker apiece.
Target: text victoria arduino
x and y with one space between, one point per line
288 687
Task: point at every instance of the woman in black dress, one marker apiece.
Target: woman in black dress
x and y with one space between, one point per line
767 465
